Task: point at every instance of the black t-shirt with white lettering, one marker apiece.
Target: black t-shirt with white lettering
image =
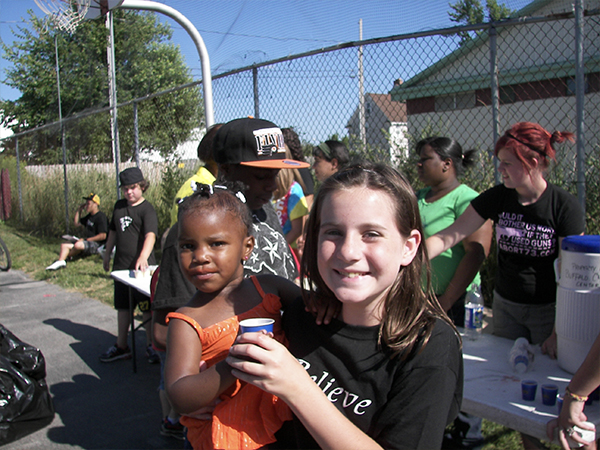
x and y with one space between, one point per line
400 404
527 238
131 224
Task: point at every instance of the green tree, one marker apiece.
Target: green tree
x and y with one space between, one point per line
471 12
146 63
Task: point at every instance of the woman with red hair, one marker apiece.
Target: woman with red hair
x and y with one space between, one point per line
531 216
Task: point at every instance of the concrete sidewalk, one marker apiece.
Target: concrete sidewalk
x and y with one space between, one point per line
98 405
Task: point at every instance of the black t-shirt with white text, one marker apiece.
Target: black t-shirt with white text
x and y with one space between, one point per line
400 404
528 239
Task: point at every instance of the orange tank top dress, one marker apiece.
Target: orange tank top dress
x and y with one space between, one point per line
247 417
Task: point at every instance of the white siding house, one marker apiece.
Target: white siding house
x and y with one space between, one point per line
385 125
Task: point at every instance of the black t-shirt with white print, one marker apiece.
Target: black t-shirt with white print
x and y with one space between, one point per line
131 224
399 403
528 239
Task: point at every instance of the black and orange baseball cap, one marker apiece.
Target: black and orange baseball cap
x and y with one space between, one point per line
253 142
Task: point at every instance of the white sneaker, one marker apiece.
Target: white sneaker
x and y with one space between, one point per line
57 265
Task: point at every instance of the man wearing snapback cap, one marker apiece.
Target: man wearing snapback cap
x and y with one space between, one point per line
96 230
252 152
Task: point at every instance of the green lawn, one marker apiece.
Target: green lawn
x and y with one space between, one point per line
31 254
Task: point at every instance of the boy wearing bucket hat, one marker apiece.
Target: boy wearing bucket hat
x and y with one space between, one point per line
132 230
96 229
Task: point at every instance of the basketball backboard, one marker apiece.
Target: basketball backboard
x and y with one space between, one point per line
99 8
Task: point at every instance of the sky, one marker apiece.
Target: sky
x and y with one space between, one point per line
238 33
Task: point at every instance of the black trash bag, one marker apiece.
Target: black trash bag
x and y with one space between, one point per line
25 402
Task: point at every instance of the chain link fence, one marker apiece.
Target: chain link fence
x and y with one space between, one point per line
379 96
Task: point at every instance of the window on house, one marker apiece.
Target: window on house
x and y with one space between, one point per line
571 86
507 95
463 100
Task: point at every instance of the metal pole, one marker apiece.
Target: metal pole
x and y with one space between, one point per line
255 88
361 91
579 101
193 32
494 86
112 78
63 137
19 179
136 134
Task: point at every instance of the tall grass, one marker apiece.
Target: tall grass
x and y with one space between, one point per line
43 195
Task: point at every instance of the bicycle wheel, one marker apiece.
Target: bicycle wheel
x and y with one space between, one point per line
5 262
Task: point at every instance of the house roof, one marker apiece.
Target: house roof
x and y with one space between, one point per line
414 88
394 111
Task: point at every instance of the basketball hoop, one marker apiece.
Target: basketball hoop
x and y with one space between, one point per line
65 14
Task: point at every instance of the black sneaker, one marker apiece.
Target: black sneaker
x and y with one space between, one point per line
115 353
152 355
171 429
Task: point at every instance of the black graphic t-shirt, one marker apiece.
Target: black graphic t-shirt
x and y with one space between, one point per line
131 224
527 238
271 254
401 404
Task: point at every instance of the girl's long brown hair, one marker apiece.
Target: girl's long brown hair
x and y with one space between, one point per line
409 311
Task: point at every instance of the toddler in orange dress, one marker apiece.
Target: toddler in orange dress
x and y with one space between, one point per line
214 242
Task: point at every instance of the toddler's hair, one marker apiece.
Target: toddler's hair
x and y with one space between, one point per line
409 311
226 197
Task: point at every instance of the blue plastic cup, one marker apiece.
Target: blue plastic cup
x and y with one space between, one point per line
254 325
528 388
559 403
549 393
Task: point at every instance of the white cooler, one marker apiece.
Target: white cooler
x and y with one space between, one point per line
577 299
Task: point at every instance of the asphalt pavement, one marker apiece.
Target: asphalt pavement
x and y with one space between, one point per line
98 405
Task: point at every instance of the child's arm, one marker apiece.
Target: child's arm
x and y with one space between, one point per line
279 373
110 244
289 291
286 290
142 261
187 388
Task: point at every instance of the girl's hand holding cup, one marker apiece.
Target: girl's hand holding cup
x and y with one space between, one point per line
260 360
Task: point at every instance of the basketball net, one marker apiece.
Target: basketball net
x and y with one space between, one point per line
65 14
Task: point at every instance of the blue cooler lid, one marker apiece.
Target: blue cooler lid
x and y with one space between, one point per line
581 244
